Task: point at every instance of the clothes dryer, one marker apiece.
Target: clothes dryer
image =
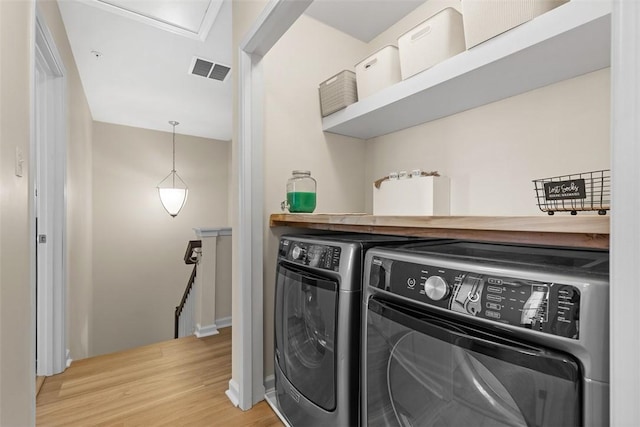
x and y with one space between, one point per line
466 333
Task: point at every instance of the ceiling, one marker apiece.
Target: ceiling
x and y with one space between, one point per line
135 56
362 19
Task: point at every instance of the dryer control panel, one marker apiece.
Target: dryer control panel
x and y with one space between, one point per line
551 308
310 254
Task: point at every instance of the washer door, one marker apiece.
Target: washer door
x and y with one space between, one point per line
305 313
426 371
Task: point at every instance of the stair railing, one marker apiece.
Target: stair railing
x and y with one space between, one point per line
184 315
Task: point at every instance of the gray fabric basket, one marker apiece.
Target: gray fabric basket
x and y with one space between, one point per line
338 92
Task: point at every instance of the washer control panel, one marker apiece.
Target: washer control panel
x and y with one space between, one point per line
551 308
310 254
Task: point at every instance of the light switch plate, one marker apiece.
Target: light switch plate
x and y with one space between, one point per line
19 162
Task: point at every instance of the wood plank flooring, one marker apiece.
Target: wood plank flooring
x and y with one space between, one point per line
172 383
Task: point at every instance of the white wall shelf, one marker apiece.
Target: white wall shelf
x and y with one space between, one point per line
566 42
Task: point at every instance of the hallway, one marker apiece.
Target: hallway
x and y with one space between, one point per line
173 383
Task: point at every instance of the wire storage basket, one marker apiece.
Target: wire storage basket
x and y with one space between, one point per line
587 191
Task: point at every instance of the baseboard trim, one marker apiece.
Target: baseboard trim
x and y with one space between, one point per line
206 331
68 357
232 393
223 322
39 384
269 383
272 400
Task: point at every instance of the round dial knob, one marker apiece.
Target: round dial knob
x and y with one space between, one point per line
298 253
436 288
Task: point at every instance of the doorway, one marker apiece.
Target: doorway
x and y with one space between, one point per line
48 213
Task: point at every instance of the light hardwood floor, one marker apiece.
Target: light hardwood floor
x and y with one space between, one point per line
172 383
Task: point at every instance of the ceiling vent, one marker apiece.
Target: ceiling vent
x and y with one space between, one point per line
205 68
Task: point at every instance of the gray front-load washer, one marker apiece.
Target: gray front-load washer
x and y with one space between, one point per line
317 326
481 334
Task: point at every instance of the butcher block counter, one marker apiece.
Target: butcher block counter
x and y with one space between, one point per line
587 231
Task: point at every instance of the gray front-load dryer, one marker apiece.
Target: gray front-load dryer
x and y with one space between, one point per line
479 334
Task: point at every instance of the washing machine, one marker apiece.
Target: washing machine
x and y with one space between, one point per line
482 334
317 326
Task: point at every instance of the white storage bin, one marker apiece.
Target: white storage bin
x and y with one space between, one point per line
436 39
378 71
484 19
417 196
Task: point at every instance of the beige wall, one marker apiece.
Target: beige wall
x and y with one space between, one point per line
79 135
492 153
16 299
17 357
309 53
138 270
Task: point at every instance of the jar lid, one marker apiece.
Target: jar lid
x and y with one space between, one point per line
301 172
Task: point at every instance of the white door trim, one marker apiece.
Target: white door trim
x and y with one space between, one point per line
48 154
246 386
625 224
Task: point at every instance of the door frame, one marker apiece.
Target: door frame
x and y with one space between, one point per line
624 338
246 386
51 292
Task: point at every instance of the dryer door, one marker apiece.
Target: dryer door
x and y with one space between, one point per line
422 370
305 312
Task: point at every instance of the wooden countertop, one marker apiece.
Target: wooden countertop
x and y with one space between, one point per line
589 231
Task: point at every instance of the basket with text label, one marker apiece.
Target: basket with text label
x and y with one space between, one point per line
587 191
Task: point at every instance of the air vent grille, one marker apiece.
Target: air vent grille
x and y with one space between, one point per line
202 68
219 72
205 68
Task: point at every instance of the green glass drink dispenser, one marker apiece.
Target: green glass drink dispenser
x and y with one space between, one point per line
301 193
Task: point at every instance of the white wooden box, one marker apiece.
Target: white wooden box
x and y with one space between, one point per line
417 196
484 19
434 40
380 70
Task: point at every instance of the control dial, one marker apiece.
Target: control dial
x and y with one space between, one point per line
298 253
436 288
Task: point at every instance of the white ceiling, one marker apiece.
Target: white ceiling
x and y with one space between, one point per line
142 77
134 56
362 19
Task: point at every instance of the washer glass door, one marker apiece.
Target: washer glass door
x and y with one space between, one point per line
422 370
305 312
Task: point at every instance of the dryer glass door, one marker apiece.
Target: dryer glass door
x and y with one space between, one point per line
422 370
305 311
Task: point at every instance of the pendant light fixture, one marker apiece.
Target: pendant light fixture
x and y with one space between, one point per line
172 190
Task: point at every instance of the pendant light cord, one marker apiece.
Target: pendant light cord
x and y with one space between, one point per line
173 171
174 148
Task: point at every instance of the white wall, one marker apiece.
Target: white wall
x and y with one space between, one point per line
138 270
223 278
492 153
308 54
244 13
